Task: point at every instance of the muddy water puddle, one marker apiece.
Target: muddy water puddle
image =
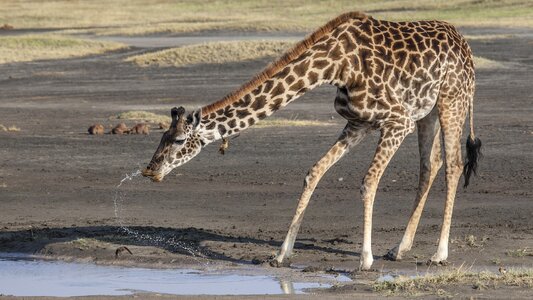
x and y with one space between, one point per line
23 275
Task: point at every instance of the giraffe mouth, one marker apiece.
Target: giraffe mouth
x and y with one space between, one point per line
156 177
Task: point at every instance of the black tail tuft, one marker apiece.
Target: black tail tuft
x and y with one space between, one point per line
473 154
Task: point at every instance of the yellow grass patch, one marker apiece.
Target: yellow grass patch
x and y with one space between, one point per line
474 37
11 128
485 63
212 53
36 47
143 116
137 17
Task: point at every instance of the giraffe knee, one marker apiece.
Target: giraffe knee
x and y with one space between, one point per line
368 186
311 176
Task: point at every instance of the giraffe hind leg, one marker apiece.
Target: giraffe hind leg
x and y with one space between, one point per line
351 135
452 115
429 145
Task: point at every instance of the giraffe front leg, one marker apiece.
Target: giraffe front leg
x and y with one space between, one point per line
391 138
350 136
430 163
288 243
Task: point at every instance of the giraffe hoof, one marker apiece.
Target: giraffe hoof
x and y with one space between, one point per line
437 263
393 255
276 264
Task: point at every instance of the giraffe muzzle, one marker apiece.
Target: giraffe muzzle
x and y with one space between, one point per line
153 176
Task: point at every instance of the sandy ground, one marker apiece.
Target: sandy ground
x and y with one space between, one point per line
57 183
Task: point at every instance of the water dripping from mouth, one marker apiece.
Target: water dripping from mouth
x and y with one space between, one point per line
154 239
129 177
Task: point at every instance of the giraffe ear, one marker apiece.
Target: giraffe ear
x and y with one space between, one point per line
194 118
176 114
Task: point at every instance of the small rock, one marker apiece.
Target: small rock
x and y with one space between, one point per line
163 125
96 129
120 129
140 128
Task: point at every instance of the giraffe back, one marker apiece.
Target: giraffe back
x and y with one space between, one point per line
383 67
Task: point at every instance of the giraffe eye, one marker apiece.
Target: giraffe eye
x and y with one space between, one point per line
179 142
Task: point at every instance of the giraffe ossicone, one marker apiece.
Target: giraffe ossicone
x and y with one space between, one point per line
390 76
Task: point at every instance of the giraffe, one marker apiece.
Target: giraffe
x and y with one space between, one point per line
390 76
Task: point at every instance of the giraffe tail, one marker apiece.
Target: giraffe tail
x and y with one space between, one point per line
473 148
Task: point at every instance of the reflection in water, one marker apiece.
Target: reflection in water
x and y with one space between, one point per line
21 275
286 286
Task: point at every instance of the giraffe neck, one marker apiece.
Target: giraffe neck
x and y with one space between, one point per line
273 93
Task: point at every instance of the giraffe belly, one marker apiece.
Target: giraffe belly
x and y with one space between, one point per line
418 107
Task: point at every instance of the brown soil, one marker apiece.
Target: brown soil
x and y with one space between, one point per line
57 183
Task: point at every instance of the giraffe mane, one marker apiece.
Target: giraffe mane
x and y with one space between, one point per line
281 62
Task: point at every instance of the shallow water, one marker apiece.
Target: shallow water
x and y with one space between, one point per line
21 275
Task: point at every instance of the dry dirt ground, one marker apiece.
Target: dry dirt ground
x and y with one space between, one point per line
57 183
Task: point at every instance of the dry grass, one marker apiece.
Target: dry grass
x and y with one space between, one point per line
83 243
485 63
440 282
137 17
469 241
474 37
212 53
36 47
520 252
145 116
11 128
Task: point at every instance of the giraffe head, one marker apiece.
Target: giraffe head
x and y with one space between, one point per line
179 144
